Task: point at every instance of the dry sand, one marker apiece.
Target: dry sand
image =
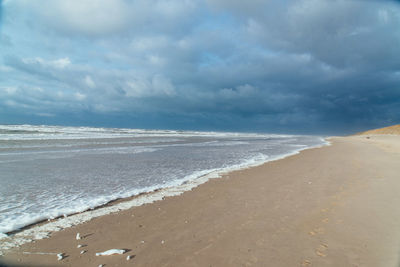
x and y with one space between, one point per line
332 206
394 129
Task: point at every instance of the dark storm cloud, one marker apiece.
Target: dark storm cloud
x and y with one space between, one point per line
309 65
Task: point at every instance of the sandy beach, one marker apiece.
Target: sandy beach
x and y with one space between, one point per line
332 206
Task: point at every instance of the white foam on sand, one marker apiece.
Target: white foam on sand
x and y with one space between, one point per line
42 231
113 251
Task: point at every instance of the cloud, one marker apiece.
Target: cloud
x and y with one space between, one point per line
109 17
60 63
5 40
79 96
72 16
89 82
9 90
339 33
158 85
299 64
1 13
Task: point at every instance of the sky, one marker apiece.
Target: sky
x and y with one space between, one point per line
294 66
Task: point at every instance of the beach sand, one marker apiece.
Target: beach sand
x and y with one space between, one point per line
337 205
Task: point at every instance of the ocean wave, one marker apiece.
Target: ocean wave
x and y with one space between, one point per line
78 175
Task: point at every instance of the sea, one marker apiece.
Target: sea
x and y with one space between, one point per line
52 171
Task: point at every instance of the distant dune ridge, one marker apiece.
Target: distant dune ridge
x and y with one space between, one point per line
395 129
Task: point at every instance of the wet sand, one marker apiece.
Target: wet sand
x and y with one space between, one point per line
331 206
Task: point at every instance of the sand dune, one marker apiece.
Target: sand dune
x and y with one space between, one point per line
394 129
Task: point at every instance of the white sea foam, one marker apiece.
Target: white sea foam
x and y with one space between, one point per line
42 132
175 188
120 150
77 176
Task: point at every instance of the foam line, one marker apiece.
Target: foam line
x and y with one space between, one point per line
188 183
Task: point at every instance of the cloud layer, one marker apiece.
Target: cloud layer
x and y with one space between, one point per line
300 66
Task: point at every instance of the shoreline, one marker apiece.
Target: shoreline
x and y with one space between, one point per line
330 206
44 228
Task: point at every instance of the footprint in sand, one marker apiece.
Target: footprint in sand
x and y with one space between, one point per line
319 230
319 253
321 250
306 263
323 246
